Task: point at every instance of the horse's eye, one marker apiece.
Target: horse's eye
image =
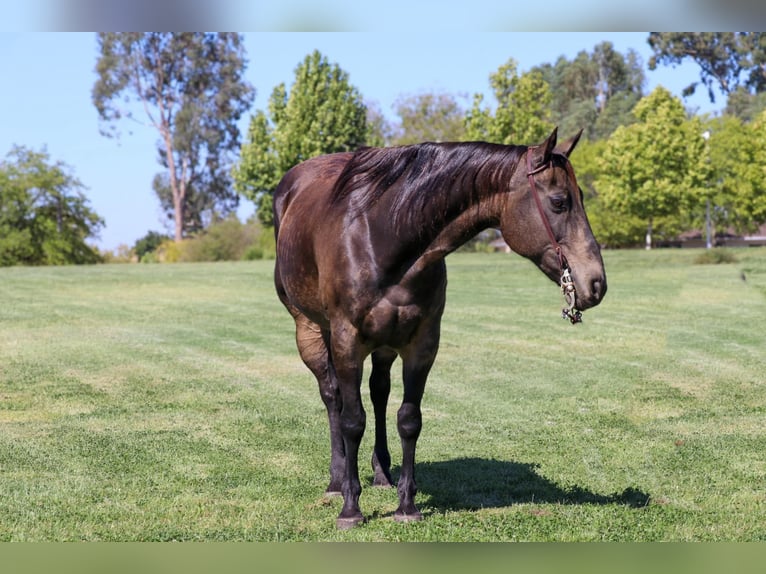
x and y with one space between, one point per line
559 203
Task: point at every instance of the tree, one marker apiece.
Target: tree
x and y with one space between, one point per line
737 153
656 168
429 117
728 60
523 112
149 243
191 89
744 105
595 91
380 131
323 113
44 216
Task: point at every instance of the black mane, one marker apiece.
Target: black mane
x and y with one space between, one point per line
426 177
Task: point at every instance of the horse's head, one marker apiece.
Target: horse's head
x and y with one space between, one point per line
547 222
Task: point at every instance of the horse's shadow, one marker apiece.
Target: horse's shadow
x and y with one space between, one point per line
474 483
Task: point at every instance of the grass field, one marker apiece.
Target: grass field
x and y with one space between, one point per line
168 402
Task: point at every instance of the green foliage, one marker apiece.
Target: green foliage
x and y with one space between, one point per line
522 115
44 216
744 105
323 113
122 254
265 247
380 131
736 152
610 227
727 60
595 91
715 256
192 90
749 204
429 117
655 169
148 243
225 240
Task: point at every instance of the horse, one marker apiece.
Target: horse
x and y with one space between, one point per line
361 241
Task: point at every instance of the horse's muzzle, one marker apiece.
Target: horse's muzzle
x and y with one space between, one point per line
590 292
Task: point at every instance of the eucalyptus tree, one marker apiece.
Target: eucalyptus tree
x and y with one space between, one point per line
727 60
322 113
191 89
595 91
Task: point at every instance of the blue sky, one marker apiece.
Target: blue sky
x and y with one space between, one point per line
47 78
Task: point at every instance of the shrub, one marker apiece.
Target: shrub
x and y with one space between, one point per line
123 254
715 256
265 246
148 243
170 251
224 240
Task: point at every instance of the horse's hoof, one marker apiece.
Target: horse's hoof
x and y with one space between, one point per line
411 517
344 523
382 483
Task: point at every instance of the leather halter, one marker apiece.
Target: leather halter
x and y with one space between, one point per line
566 283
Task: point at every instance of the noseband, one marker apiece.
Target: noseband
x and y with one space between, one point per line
566 282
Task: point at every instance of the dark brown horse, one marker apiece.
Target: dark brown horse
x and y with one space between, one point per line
361 242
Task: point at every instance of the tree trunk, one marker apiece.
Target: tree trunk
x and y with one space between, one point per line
178 212
177 187
649 235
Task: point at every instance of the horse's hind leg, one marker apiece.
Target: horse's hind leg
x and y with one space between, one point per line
380 387
312 346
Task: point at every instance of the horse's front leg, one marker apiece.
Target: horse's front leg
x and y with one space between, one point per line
347 361
380 388
418 360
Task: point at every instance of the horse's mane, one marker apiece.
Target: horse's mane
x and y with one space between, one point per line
425 177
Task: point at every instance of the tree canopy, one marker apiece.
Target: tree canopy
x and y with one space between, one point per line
191 90
44 215
728 60
595 91
655 169
522 114
428 117
736 152
322 113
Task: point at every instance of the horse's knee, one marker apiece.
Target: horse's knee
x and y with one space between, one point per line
352 426
409 421
329 393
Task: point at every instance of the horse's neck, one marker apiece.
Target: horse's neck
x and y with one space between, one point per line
430 227
456 232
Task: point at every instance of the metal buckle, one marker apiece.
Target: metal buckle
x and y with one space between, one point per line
568 291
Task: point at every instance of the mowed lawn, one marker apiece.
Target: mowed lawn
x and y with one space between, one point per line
168 402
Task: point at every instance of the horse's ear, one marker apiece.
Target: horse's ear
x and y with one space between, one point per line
566 148
541 154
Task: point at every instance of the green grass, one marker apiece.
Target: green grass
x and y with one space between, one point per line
169 403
